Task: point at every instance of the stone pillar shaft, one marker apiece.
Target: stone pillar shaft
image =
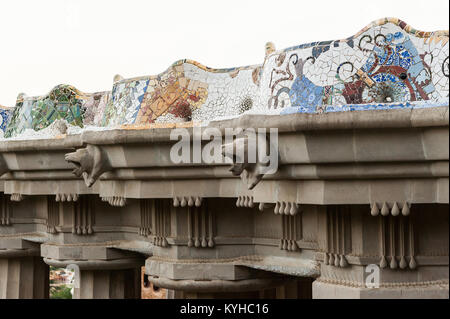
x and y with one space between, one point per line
24 278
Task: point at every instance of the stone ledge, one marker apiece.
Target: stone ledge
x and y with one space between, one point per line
229 269
116 264
217 285
15 253
83 252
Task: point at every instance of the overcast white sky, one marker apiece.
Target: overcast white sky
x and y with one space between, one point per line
85 43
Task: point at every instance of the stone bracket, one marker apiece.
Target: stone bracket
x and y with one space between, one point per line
16 197
189 201
66 197
286 208
394 208
116 201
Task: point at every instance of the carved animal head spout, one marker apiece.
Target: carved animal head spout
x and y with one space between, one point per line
90 162
247 163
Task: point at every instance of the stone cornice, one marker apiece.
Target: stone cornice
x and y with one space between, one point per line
399 118
408 147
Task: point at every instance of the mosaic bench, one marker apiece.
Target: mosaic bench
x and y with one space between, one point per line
386 65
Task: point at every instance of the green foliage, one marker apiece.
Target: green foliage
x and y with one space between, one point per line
60 292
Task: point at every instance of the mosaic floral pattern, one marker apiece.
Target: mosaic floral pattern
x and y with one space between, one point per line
386 62
386 65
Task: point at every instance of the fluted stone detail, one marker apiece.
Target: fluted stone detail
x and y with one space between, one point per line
24 278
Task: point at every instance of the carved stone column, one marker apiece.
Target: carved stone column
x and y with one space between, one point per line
388 250
23 274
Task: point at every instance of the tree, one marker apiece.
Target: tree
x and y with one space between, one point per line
60 292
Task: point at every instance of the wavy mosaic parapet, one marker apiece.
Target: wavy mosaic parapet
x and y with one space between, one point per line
64 102
387 64
186 91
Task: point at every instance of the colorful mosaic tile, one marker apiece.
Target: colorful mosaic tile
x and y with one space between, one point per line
186 91
63 102
5 115
386 62
94 107
386 65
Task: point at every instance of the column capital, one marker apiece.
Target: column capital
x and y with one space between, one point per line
15 246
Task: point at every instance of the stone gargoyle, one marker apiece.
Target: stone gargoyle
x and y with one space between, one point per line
90 162
250 168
